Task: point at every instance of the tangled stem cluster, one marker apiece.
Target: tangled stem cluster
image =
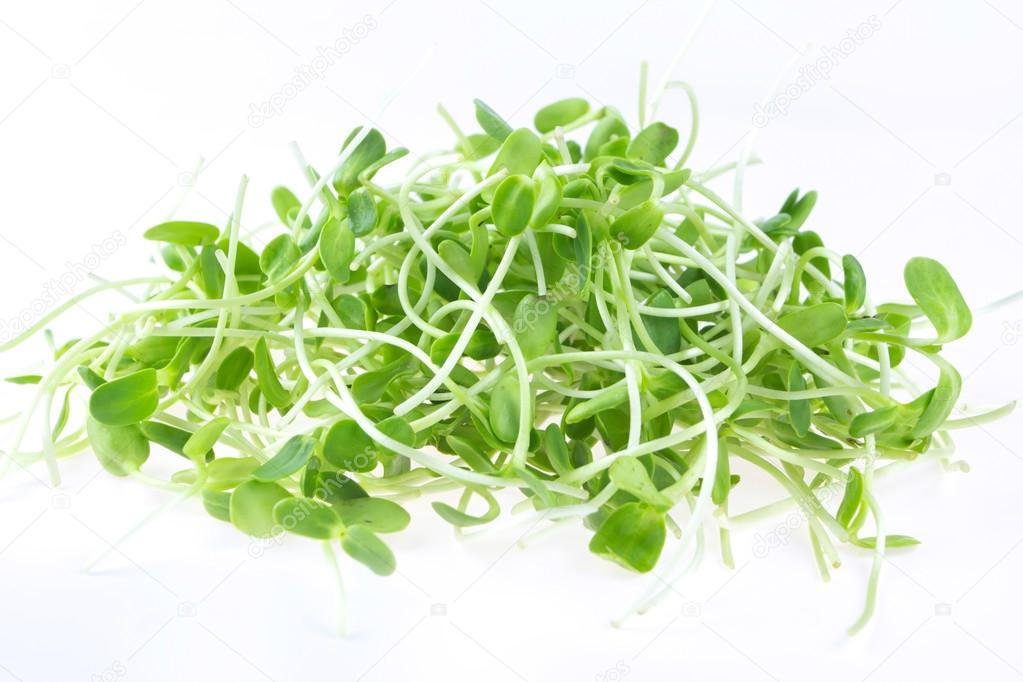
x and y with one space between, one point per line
567 311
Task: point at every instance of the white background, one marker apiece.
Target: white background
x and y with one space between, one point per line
914 143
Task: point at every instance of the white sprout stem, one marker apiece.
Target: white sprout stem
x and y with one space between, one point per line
703 502
342 602
49 317
811 359
314 194
997 305
207 364
534 252
680 54
758 234
631 369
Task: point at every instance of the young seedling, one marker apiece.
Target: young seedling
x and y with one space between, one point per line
565 312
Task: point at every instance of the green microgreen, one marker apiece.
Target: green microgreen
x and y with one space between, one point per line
563 313
183 233
126 400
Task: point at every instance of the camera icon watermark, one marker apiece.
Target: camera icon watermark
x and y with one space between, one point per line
60 501
692 609
60 71
615 673
1012 332
438 609
564 71
187 609
943 179
943 609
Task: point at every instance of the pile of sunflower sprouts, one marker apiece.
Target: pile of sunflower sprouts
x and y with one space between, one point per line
567 312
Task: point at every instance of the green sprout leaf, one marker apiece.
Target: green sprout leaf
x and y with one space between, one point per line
365 547
461 519
252 507
815 325
607 130
505 409
941 403
165 435
875 421
126 400
376 514
632 477
520 154
204 438
183 233
852 498
536 323
664 331
854 284
548 195
557 450
347 447
279 257
798 208
936 293
120 449
653 144
362 212
722 484
560 113
890 541
513 204
371 149
229 472
492 123
308 518
269 383
24 379
800 411
482 346
234 369
292 456
337 249
633 535
399 429
217 504
286 205
635 227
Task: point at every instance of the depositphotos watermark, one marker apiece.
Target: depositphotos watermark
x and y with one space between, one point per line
115 671
62 287
330 484
831 56
312 71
